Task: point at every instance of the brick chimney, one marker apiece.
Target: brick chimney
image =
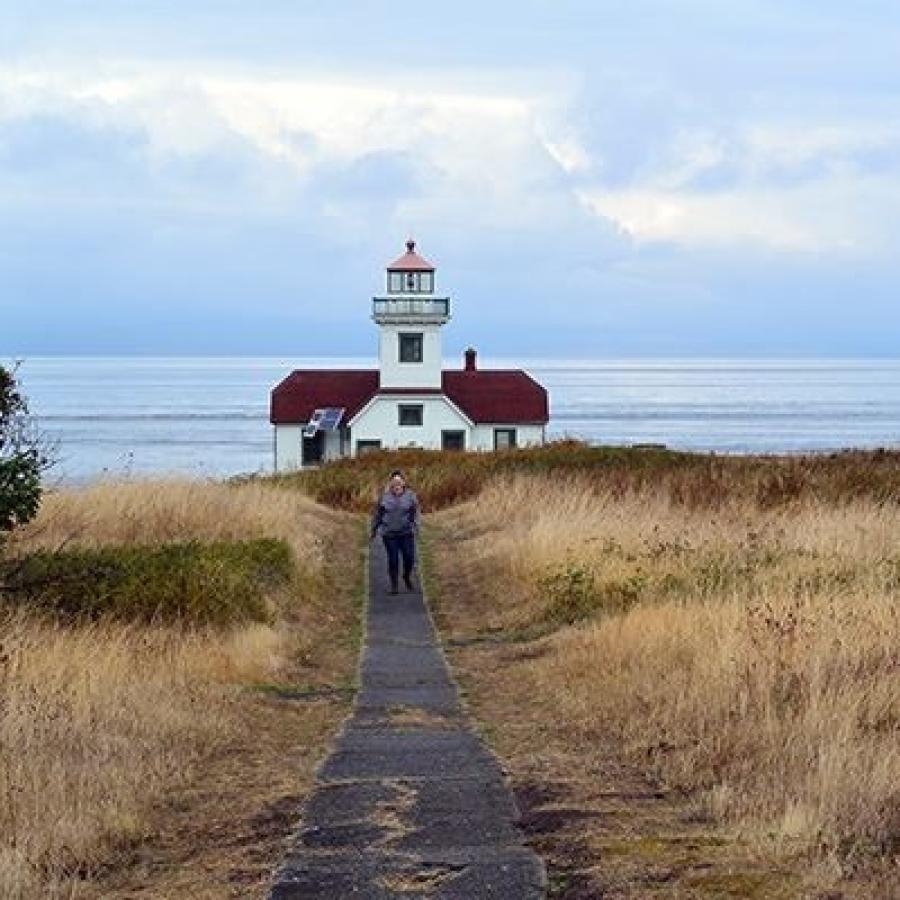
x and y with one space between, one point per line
471 358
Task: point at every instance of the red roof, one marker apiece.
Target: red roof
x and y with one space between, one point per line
497 395
305 390
410 261
502 396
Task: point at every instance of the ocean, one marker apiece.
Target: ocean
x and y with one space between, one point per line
209 416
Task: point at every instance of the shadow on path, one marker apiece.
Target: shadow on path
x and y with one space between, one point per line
410 803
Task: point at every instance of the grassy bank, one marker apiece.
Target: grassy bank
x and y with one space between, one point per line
446 479
138 617
738 643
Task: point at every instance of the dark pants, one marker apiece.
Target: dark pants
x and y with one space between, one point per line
398 545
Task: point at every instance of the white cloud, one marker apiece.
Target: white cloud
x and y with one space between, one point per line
477 141
715 220
844 216
818 188
348 118
503 158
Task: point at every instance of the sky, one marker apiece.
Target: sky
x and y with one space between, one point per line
591 178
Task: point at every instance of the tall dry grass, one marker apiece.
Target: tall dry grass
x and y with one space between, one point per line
154 512
98 722
750 653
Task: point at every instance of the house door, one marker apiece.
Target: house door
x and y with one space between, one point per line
314 449
453 440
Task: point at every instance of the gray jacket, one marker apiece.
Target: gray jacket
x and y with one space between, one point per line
396 515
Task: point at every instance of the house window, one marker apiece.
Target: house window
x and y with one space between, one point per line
411 414
395 282
411 348
453 440
367 446
504 438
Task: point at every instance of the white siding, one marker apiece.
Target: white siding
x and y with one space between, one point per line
332 445
395 374
288 447
380 421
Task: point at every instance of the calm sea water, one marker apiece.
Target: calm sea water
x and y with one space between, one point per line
206 416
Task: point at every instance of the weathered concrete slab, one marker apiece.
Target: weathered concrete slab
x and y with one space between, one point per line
477 797
504 875
433 698
347 802
396 740
418 678
410 803
351 835
404 659
359 764
439 832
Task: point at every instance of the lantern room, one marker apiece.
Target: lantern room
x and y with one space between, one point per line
410 293
410 274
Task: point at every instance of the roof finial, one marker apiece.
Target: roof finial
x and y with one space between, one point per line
410 246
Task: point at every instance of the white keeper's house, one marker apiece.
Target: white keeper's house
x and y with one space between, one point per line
409 400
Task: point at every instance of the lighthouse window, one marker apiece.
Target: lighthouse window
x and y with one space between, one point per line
411 414
410 282
410 348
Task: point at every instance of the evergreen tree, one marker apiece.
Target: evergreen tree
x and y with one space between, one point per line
23 456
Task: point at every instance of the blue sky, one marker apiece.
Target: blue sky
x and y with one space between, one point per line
662 177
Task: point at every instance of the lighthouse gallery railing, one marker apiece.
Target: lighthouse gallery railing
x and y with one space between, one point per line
439 307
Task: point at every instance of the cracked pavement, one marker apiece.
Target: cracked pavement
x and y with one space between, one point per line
410 803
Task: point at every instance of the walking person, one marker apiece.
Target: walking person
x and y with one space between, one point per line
396 515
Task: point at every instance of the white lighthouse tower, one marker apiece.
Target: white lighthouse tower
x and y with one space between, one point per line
410 318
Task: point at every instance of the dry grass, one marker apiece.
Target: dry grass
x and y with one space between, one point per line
97 720
148 512
444 479
100 723
747 653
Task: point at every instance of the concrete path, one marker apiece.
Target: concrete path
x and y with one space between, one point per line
410 803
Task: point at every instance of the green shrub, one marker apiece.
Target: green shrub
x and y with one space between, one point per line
193 583
23 456
575 593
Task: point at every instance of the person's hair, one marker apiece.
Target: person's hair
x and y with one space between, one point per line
397 472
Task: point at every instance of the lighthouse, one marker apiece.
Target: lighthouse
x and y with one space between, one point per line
410 400
410 319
